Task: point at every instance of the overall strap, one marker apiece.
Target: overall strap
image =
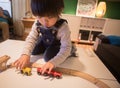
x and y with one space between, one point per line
57 24
48 35
60 22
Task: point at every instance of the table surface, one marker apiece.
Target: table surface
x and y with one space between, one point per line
86 62
28 22
28 19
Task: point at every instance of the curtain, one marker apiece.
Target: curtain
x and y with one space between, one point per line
19 9
28 6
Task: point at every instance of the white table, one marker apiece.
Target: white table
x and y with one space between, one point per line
86 62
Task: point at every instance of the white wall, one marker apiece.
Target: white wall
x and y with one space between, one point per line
112 27
74 24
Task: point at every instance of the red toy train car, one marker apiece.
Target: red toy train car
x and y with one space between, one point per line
51 74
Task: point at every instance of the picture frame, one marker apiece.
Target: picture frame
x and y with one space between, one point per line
86 8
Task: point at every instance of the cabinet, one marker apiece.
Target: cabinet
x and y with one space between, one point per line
28 22
84 29
90 28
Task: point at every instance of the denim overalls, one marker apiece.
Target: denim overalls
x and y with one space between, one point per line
47 42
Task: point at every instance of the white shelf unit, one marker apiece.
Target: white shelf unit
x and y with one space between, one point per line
90 28
91 24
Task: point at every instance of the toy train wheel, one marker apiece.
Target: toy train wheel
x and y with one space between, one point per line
39 73
51 75
21 71
45 74
58 77
26 73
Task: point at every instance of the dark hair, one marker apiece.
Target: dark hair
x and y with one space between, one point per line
47 7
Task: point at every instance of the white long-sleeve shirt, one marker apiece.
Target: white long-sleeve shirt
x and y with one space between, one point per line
63 35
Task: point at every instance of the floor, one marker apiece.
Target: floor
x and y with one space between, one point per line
15 37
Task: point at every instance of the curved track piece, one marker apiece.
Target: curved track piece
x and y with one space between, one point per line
83 75
3 61
72 72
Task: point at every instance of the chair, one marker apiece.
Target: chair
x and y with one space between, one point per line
10 21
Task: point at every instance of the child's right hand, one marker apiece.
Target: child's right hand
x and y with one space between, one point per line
23 61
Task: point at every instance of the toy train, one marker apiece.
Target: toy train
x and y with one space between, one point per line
27 71
51 74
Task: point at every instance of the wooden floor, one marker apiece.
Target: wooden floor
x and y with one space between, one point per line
15 37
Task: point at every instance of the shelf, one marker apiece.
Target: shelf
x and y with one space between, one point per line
83 42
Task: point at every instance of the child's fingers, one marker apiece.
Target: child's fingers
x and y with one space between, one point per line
50 69
15 63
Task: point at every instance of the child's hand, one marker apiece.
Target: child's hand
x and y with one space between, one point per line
23 61
48 66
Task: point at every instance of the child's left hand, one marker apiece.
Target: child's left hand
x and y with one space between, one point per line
48 66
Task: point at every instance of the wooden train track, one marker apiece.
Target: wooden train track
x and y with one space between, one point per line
71 72
3 61
76 73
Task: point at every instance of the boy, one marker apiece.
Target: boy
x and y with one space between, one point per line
49 35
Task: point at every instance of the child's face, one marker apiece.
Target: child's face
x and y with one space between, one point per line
47 21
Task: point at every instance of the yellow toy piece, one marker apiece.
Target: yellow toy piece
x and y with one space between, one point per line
26 71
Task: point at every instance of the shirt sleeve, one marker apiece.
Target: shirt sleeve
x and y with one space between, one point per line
65 48
30 40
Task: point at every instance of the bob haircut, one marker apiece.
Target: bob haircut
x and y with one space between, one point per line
47 7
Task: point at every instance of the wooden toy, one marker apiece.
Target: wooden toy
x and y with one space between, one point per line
3 61
80 74
26 71
51 74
